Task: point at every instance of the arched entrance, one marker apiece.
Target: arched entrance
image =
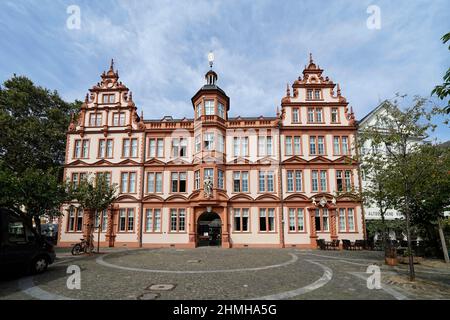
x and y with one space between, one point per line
209 230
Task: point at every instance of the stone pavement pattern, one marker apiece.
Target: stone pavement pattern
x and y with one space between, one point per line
214 273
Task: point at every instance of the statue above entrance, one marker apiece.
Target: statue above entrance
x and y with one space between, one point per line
207 187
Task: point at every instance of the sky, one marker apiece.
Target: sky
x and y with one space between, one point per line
160 49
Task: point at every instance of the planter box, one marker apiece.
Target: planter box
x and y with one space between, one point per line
405 260
391 261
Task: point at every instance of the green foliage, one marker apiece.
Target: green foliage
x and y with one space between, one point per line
32 147
443 91
94 194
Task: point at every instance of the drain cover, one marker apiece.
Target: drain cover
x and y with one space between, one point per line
194 261
148 296
161 287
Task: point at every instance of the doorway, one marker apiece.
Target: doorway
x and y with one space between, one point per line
209 230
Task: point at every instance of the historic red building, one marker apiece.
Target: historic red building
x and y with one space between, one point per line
279 181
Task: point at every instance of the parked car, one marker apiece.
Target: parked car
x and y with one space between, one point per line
21 247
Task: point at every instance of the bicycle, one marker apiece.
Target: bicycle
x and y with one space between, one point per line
82 247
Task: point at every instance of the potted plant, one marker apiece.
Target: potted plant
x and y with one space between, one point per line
390 256
404 259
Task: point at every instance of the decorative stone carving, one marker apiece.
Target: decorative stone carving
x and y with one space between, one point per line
207 187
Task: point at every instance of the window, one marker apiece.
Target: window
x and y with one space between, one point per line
199 110
105 148
294 180
101 220
310 115
198 144
197 180
178 181
240 181
118 119
336 145
220 180
208 172
130 148
288 146
221 110
266 181
296 220
344 180
126 220
155 148
95 119
221 141
264 146
317 145
209 107
77 178
321 219
346 220
179 147
340 145
319 115
267 220
334 115
309 94
344 145
177 220
240 146
75 221
295 115
108 98
319 180
152 220
241 222
312 145
154 182
106 175
317 94
81 148
295 148
209 141
320 145
128 182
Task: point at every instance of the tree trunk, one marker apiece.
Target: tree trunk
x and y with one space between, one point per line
37 222
444 245
412 275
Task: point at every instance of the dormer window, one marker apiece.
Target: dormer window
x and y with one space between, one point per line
119 119
221 110
95 119
108 98
209 107
317 95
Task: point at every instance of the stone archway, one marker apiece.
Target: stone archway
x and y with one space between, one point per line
209 229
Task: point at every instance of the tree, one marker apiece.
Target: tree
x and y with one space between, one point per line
32 147
433 195
399 132
443 91
376 193
94 195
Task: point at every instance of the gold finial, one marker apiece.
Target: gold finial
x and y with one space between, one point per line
310 58
112 65
288 91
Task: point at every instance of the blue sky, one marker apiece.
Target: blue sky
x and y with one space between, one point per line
160 49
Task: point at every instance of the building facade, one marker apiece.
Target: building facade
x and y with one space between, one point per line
280 181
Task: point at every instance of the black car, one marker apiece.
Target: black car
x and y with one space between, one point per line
21 247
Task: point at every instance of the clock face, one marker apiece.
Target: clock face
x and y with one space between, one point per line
110 84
